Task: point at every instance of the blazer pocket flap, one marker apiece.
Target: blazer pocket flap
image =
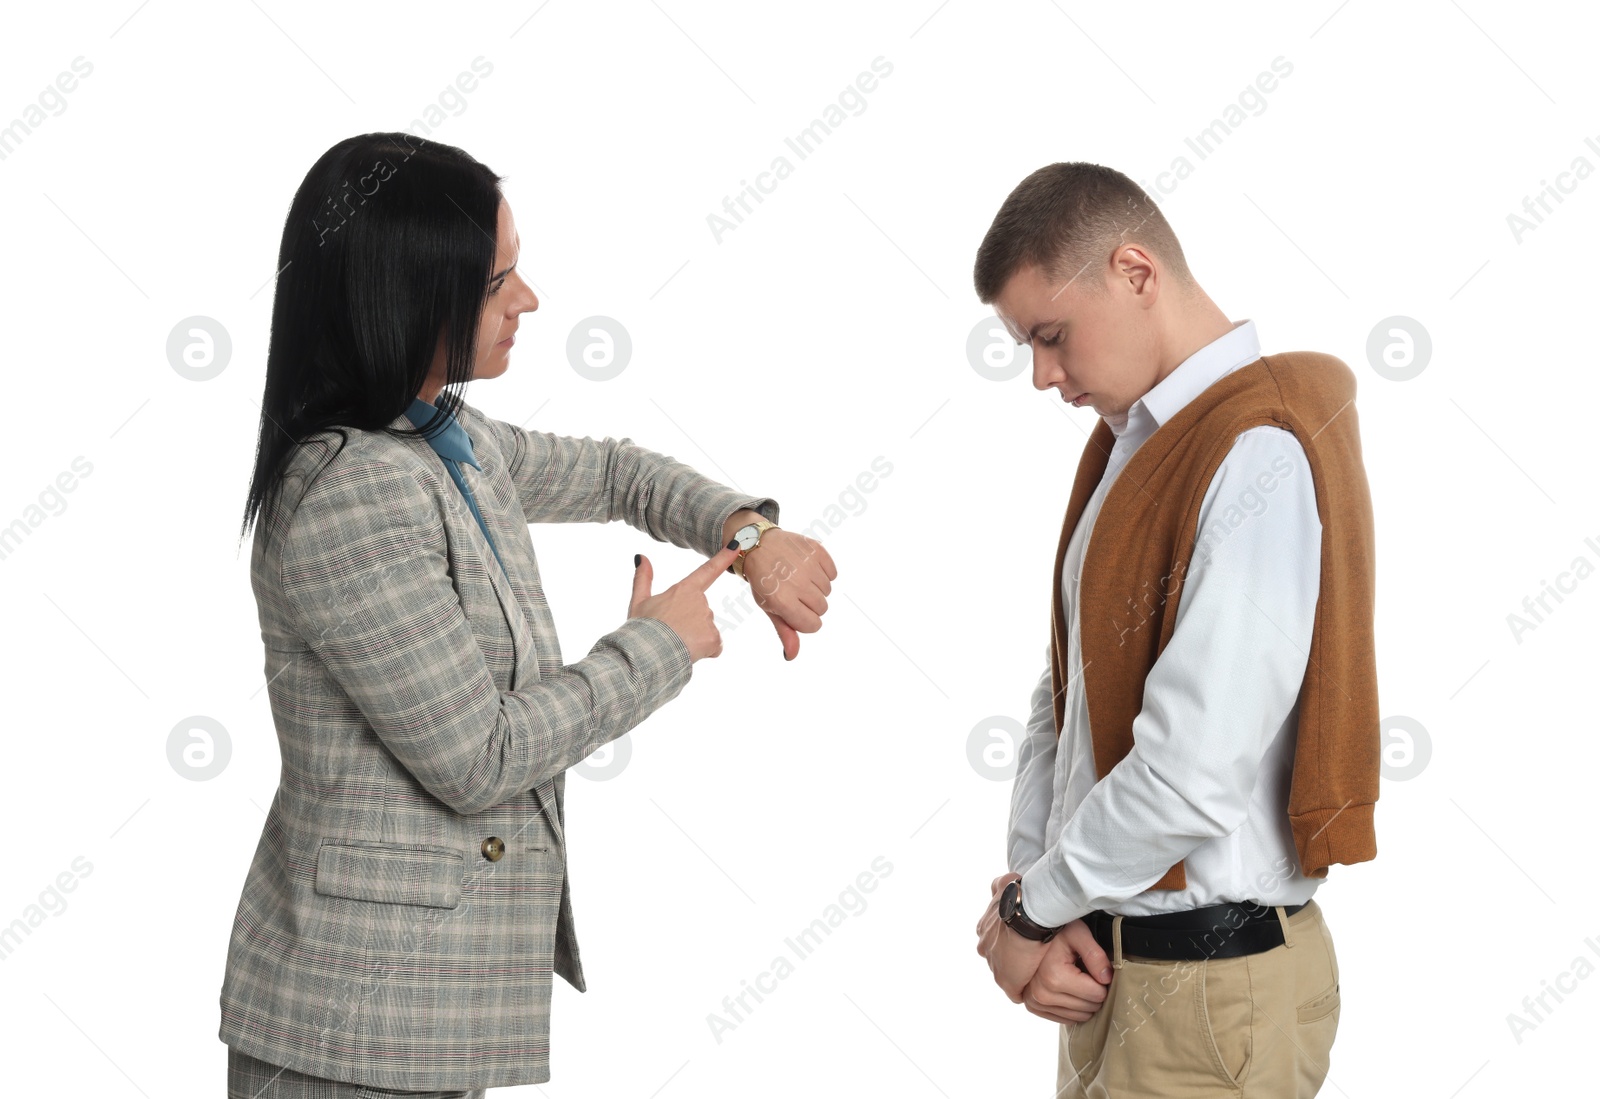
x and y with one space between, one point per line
390 873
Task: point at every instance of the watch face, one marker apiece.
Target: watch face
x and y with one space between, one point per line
1008 900
748 535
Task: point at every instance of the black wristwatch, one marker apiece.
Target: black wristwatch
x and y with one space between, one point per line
1012 916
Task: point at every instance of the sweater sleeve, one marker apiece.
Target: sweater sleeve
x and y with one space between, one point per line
1215 698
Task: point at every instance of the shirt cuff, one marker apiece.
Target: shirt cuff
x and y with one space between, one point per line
1043 902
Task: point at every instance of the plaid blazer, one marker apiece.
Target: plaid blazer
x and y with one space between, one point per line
408 900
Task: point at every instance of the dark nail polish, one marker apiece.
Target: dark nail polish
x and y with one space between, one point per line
733 543
636 560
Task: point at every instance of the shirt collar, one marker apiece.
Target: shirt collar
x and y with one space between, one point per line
448 441
1236 347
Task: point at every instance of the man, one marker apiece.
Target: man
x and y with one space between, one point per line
1203 742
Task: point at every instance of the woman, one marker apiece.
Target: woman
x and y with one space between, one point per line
408 901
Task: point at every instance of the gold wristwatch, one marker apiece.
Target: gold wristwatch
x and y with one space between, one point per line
749 537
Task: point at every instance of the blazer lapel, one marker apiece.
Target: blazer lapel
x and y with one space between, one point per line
516 621
514 546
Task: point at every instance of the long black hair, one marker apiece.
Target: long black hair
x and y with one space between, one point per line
389 243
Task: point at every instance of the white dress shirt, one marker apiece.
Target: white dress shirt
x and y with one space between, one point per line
1207 779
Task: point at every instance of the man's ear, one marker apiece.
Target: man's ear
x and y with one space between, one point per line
1134 269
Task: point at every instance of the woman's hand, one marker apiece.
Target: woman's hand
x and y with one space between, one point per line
791 576
683 606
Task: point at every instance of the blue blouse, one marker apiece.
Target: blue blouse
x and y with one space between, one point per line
453 445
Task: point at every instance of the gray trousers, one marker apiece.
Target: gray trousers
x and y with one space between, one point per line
250 1078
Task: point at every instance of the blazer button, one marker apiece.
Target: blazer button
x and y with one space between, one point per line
493 848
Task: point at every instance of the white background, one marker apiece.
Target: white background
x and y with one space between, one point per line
827 330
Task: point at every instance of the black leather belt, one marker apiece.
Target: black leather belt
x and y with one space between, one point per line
1215 931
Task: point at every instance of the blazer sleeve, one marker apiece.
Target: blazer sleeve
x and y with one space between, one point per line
565 479
364 575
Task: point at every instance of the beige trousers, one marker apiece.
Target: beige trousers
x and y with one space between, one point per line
1256 1027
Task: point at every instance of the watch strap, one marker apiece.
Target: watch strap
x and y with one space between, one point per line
1022 925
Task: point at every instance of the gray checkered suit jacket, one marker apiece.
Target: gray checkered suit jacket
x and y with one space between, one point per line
408 901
